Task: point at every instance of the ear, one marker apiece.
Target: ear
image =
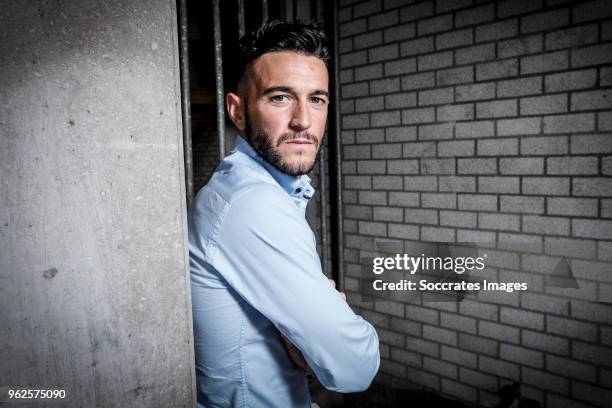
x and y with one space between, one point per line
235 110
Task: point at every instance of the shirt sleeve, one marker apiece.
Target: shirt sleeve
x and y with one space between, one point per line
266 252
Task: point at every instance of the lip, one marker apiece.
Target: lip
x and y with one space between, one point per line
300 141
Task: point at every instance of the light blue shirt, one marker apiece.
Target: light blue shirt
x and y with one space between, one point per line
255 272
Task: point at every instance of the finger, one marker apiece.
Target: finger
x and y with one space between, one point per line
333 282
343 296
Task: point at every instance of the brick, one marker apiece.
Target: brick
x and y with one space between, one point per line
499 368
571 368
417 81
495 109
454 39
403 166
593 394
452 113
495 221
546 225
497 30
435 24
570 165
570 247
383 20
522 355
387 182
484 381
436 96
403 199
373 197
353 58
389 337
593 10
572 80
597 229
520 46
513 7
456 148
435 234
352 28
440 335
497 147
591 143
406 357
546 186
366 8
448 5
345 45
455 76
359 212
368 40
605 251
371 167
459 323
571 328
477 53
438 200
402 32
401 100
347 107
457 184
544 303
354 90
400 134
477 166
518 127
403 231
544 145
435 61
482 128
420 149
369 104
576 122
370 136
420 183
417 46
436 131
519 87
423 315
346 75
345 14
386 85
372 228
477 202
606 165
591 187
368 72
440 367
386 151
387 214
522 204
420 216
592 354
571 37
545 62
458 219
383 53
386 118
417 11
522 165
545 21
421 346
539 105
437 166
482 238
497 69
399 67
593 55
508 185
418 115
498 331
475 15
545 380
585 207
590 100
475 92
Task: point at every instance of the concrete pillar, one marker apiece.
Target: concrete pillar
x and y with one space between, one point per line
94 284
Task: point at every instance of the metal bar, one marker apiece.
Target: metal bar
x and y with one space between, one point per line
336 169
241 26
323 212
219 79
264 10
185 99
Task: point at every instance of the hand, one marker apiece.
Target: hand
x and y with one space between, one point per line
342 294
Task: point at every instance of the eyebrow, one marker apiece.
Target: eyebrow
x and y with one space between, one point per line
289 89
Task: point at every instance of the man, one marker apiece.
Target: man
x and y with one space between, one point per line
260 301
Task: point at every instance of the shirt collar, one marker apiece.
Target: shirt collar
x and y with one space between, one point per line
294 186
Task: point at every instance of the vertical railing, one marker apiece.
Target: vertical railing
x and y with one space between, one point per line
185 99
219 78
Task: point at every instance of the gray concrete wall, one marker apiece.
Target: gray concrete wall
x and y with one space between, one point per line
93 283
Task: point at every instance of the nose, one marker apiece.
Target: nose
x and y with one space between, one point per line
300 119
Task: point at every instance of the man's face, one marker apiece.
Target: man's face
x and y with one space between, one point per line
286 109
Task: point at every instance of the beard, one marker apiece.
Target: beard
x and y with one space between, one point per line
262 143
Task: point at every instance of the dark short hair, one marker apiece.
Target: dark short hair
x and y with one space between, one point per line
279 35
